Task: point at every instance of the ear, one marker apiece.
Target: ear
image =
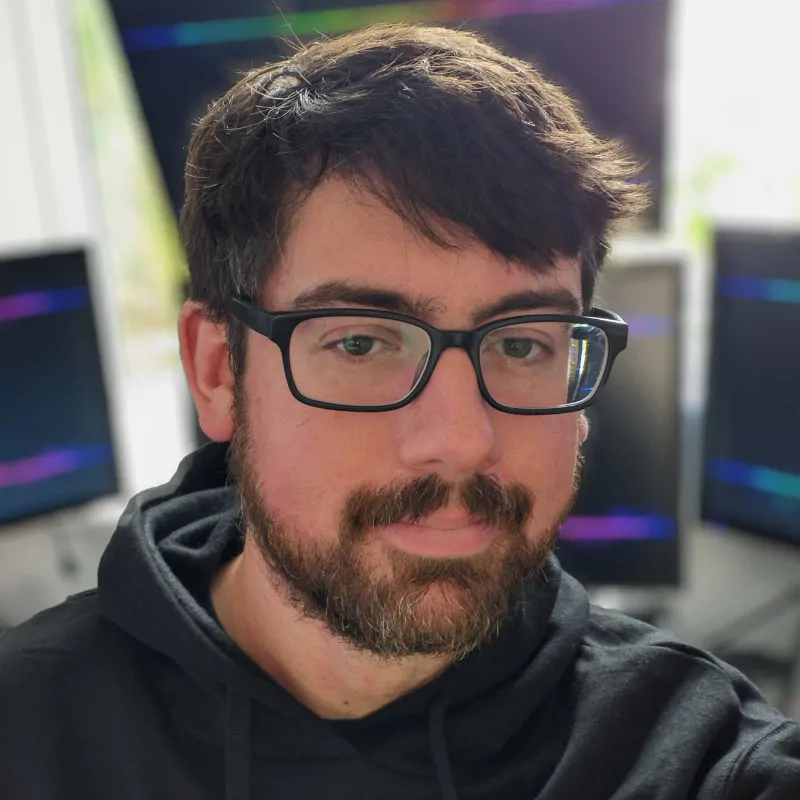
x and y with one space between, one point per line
204 353
583 427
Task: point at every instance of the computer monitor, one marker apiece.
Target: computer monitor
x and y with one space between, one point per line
625 526
610 54
752 426
56 446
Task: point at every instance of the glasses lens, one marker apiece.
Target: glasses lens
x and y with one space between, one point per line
542 365
357 361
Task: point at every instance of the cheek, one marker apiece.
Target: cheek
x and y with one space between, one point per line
541 453
307 459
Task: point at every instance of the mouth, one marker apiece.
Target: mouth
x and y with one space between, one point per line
443 539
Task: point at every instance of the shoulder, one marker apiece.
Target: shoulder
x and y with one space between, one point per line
54 642
54 628
61 672
750 748
616 642
767 767
615 636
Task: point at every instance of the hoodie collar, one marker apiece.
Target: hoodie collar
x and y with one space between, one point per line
169 544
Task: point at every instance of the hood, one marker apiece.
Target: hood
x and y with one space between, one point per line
158 567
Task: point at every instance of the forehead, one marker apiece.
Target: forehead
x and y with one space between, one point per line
342 234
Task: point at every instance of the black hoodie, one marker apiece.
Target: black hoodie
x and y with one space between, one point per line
133 691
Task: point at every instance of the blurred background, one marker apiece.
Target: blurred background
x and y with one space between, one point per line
689 516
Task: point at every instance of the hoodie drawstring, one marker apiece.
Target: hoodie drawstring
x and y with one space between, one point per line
237 747
238 756
444 770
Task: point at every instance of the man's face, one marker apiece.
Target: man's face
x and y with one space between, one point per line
410 531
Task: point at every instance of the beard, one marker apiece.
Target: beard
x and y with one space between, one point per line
404 605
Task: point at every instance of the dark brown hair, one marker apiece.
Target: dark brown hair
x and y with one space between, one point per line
458 139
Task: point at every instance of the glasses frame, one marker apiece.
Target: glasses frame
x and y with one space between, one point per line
278 327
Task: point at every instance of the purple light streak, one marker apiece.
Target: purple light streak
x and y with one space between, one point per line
51 464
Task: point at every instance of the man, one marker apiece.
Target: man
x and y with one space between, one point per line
393 239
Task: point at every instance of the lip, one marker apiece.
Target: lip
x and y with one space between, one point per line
447 522
439 540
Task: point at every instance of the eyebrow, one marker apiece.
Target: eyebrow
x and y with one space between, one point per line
361 295
555 300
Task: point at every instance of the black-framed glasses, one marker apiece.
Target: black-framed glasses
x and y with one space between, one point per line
369 360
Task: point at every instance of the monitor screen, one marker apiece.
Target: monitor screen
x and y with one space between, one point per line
610 54
624 529
752 429
55 438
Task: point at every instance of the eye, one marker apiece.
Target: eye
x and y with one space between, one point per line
518 347
357 344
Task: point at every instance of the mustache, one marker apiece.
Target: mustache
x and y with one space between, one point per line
484 497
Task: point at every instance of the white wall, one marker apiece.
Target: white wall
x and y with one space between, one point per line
44 196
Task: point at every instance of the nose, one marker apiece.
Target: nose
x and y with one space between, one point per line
448 429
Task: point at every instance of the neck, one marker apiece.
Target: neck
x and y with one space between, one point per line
330 677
